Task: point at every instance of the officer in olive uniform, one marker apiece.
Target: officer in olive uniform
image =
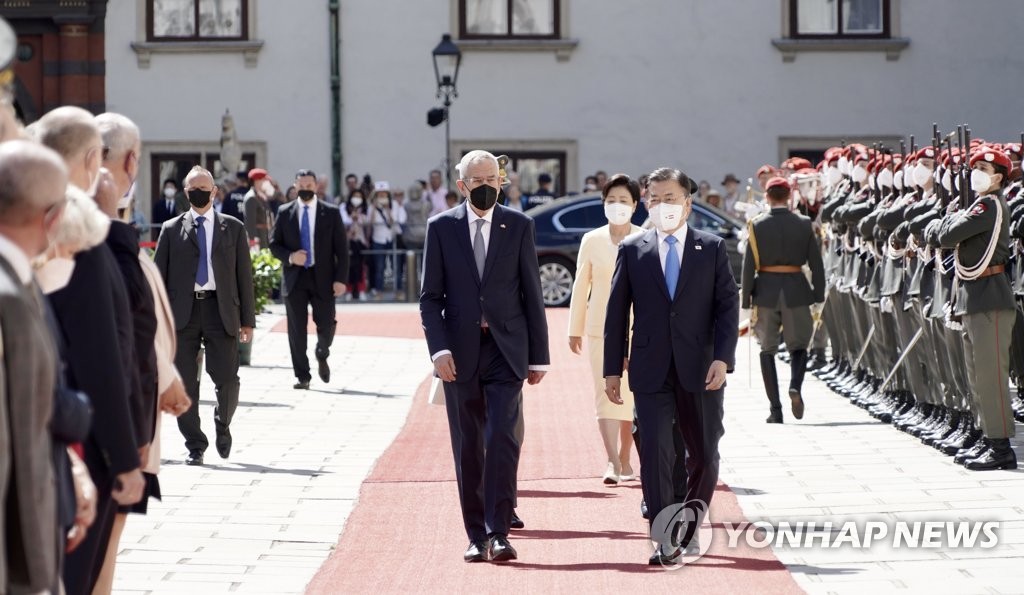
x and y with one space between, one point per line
984 301
780 242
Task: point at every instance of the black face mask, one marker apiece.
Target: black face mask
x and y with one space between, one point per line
199 198
306 194
483 197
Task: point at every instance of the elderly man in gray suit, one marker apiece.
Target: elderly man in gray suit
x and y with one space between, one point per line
204 259
32 183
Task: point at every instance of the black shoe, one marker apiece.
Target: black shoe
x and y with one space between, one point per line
301 385
516 522
502 550
323 369
195 458
476 552
775 416
223 442
644 512
797 402
663 557
999 456
966 454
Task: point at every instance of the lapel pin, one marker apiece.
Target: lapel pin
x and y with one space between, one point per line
502 226
698 247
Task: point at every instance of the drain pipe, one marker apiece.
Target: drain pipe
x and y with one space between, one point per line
335 36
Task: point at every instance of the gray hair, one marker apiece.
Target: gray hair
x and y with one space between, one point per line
27 170
83 225
68 130
120 135
195 172
471 158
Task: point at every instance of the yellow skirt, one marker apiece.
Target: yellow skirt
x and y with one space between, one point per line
605 408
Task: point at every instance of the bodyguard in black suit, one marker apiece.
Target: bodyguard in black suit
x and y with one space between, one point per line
678 284
165 206
204 259
483 316
309 238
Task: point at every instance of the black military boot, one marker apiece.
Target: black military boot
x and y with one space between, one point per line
976 450
817 360
1000 455
771 387
797 369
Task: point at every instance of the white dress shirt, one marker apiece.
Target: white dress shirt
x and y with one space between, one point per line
485 231
299 203
680 234
211 284
436 198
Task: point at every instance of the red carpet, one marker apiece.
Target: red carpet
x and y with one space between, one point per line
406 535
352 323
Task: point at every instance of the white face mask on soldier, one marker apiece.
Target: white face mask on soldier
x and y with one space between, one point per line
859 174
980 181
834 175
897 180
947 181
617 213
921 174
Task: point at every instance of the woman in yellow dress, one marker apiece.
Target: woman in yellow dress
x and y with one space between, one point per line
594 267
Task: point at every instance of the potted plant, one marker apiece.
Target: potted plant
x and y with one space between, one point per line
266 277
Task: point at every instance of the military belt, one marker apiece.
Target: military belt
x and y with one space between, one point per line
993 270
781 268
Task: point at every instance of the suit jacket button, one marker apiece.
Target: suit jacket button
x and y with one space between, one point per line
481 298
673 315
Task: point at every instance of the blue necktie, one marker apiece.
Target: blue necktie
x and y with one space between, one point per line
304 236
672 266
203 274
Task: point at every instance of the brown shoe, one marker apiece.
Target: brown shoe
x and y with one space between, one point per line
798 403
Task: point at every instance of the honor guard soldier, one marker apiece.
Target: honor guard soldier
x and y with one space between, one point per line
779 244
984 301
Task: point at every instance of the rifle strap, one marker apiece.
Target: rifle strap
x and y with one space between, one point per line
752 240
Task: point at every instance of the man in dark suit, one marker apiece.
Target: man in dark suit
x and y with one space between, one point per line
204 259
678 284
232 203
779 243
309 238
483 316
165 206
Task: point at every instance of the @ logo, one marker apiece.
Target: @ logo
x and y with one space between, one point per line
674 522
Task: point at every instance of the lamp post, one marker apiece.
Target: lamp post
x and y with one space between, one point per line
447 58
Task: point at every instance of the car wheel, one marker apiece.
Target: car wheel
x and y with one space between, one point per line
556 278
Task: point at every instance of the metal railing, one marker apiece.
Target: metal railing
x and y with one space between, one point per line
412 273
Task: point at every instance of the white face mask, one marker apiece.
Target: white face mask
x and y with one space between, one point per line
169 192
859 174
267 188
980 181
834 175
844 166
885 178
871 181
357 202
897 180
618 213
921 174
55 274
667 218
947 182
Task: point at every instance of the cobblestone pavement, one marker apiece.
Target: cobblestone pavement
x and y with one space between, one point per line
265 520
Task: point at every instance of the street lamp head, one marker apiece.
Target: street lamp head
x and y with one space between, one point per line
447 58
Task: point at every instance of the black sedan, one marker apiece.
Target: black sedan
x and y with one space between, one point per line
562 223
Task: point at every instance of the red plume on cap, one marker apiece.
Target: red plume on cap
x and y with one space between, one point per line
257 173
993 156
926 153
765 169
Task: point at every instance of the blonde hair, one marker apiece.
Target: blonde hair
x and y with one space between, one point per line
82 225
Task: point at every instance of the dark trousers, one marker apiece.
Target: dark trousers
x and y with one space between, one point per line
82 567
698 418
355 269
205 328
678 470
482 416
380 260
297 304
